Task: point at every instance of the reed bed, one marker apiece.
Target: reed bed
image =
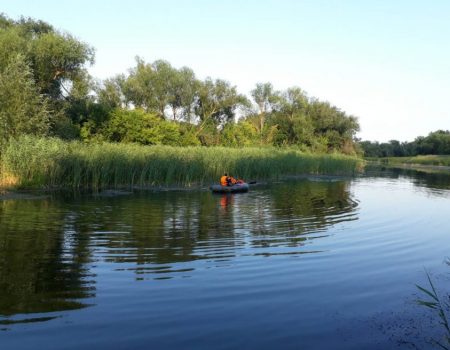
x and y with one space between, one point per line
436 160
53 163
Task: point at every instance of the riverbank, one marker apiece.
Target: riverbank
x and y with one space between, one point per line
427 163
50 163
431 160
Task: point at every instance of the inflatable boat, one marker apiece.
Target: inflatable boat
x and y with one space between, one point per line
241 187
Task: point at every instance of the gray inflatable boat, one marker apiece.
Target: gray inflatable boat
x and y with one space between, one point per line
241 187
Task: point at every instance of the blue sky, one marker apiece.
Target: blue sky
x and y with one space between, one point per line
386 62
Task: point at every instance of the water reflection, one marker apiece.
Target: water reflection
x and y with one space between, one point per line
427 179
164 268
47 247
42 260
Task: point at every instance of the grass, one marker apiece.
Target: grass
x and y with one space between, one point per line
53 163
433 160
434 302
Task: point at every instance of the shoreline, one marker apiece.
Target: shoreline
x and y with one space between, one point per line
413 166
33 193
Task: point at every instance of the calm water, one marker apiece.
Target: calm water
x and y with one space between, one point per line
310 264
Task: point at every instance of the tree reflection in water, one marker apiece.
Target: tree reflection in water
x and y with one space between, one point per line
43 260
47 246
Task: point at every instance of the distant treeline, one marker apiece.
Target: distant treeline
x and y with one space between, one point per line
45 89
437 142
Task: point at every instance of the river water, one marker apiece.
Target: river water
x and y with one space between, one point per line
316 263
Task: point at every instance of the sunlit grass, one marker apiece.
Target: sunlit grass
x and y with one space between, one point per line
53 163
417 160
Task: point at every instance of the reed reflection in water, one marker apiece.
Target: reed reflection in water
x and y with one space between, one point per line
305 262
48 246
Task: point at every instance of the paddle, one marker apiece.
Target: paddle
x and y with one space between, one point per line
252 182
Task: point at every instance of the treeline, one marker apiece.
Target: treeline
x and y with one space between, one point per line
437 142
45 89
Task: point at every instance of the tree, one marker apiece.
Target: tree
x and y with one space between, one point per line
184 93
109 93
23 110
294 101
218 102
54 57
239 134
55 60
293 125
141 127
266 99
159 86
332 123
436 142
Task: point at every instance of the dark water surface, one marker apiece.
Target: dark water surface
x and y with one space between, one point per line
305 264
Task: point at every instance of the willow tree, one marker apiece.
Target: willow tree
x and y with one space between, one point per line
55 60
157 87
218 102
266 98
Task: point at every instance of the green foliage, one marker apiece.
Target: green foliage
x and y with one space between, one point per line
137 107
297 129
54 57
265 97
110 94
436 160
158 86
292 118
64 128
241 134
55 63
140 127
188 135
22 109
57 58
50 162
437 142
218 101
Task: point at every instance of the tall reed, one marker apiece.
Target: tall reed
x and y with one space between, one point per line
50 162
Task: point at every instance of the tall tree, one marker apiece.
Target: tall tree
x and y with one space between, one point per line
158 87
184 92
23 110
266 99
218 101
57 61
294 101
109 92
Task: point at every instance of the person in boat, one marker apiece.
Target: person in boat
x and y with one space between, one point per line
226 180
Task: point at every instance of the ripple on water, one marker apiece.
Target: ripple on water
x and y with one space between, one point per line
292 262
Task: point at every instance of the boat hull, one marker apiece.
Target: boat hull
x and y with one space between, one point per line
230 189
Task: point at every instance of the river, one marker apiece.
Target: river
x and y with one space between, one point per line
313 263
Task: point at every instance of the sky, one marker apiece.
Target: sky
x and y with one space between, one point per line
386 62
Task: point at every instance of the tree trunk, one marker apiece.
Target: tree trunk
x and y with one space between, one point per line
174 112
261 127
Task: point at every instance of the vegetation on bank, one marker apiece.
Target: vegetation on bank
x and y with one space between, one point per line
428 160
436 143
46 90
54 163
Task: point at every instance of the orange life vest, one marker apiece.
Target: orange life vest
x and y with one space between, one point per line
223 180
